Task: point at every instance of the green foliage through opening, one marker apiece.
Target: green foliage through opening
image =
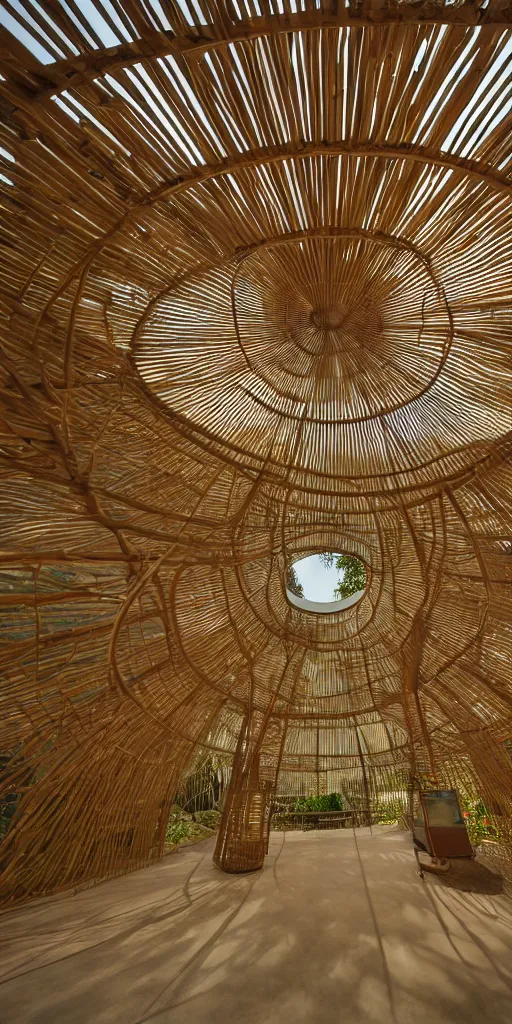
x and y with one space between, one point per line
354 573
330 802
292 582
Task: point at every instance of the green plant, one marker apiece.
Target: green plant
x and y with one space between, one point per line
388 813
177 831
210 819
330 802
354 573
478 821
292 582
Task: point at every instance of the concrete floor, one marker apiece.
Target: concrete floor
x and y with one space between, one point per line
337 929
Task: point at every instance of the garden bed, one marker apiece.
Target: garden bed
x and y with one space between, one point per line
188 829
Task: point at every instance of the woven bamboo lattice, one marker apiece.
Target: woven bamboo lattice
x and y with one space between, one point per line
256 297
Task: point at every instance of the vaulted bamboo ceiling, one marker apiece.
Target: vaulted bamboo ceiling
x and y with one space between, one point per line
257 298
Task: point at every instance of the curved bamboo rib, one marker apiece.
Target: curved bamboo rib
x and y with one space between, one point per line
256 304
417 154
67 74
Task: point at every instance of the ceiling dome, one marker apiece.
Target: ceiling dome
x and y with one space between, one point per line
346 354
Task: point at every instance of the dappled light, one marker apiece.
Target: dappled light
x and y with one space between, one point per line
335 920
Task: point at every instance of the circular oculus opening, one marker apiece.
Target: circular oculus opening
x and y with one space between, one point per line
326 582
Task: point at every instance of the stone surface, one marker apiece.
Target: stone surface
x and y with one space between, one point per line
338 927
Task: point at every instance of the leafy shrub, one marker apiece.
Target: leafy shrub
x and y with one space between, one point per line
210 819
184 827
332 802
388 814
478 822
177 831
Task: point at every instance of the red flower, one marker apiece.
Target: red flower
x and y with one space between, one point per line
467 814
485 822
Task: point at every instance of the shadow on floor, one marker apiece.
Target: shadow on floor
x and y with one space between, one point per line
337 929
468 875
